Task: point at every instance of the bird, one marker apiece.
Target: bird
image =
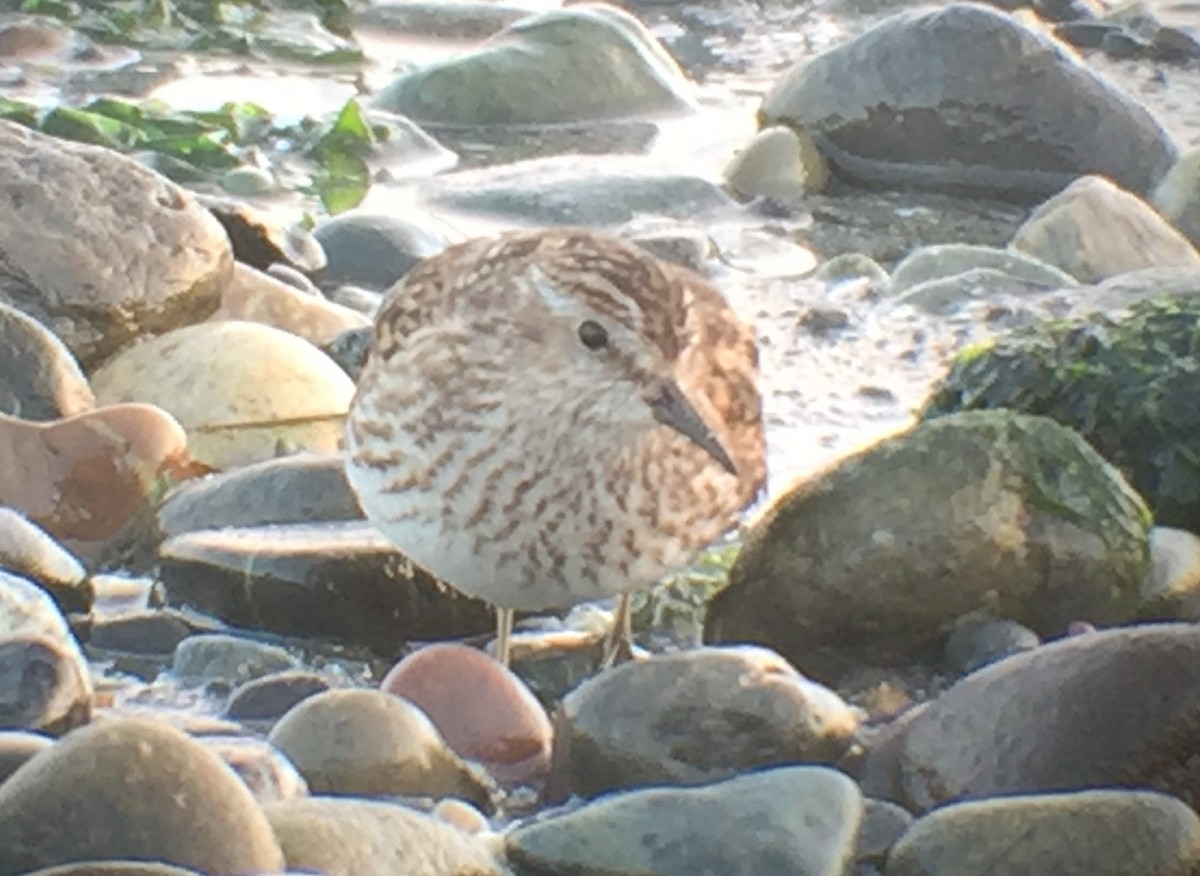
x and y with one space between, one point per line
553 416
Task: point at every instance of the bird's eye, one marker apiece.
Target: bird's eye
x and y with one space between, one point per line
593 335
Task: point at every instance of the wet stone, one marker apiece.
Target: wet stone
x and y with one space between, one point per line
44 686
270 697
334 580
219 657
28 550
259 240
302 488
18 746
267 773
156 632
39 377
975 643
365 742
692 718
374 250
72 802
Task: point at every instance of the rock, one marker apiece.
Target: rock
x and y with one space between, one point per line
260 240
28 550
333 580
364 838
1172 585
374 250
850 267
883 823
253 296
132 788
777 163
1126 383
366 742
105 250
974 643
1094 230
946 260
691 718
218 657
1099 833
1016 300
18 746
357 298
27 609
350 350
1107 708
89 480
239 388
589 61
568 190
964 98
146 632
483 711
267 773
44 685
269 698
39 378
114 868
989 511
461 20
1177 196
303 488
797 819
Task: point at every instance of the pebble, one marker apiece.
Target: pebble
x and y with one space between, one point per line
691 718
302 488
238 388
778 162
1177 196
28 550
976 642
39 377
794 819
340 837
44 686
1110 707
1097 833
256 297
374 250
260 240
334 580
270 697
264 769
87 479
870 561
947 260
483 711
220 657
18 746
72 802
1172 586
110 251
365 743
1093 230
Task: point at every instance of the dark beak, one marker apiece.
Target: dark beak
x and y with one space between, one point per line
671 408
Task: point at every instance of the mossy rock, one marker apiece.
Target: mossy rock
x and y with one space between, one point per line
1130 385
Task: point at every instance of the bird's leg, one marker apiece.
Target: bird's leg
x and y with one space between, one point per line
504 626
618 644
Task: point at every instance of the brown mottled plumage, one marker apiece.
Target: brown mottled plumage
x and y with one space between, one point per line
553 416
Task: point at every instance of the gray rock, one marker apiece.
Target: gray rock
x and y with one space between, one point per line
366 742
268 698
333 580
589 61
302 488
946 260
463 20
374 250
39 378
1094 230
28 550
44 686
799 820
1105 708
220 657
1090 833
1177 196
778 163
1171 590
975 643
152 632
134 789
350 350
364 838
358 299
692 718
18 746
260 241
26 609
965 98
85 210
883 823
993 511
569 191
